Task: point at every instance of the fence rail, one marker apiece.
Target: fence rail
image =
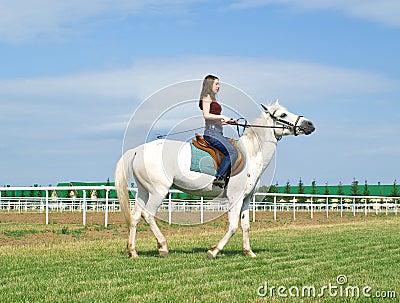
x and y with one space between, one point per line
272 202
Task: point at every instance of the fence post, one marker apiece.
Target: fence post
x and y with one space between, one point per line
341 207
170 208
312 211
84 207
354 207
294 208
365 207
275 207
61 203
386 212
327 207
47 207
254 208
395 207
106 214
201 210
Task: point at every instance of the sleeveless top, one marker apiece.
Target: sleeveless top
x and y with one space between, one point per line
215 109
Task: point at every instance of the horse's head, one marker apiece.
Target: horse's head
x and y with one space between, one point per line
287 122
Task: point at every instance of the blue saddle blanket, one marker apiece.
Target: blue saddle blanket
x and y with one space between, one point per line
202 161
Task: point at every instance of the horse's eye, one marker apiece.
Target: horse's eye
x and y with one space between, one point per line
283 115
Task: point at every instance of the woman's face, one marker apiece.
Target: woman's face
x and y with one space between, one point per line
215 87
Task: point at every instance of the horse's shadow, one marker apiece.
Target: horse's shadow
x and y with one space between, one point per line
199 251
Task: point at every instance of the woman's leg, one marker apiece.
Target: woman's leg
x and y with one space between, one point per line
225 145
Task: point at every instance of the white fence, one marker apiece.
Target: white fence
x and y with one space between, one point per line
48 203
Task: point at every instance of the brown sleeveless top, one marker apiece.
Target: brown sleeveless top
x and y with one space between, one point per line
215 109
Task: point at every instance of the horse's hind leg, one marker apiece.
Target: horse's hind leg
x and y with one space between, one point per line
141 198
161 241
131 248
152 205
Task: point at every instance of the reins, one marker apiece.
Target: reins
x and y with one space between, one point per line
284 125
177 133
246 125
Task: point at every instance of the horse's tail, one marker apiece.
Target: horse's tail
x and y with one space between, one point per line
122 173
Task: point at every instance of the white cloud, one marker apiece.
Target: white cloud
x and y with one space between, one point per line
382 11
260 78
22 20
102 102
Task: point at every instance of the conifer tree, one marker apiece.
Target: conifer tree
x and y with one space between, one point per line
287 187
273 188
340 191
365 190
301 191
326 189
354 188
395 190
301 187
313 187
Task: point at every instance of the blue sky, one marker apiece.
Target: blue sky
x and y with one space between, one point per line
73 72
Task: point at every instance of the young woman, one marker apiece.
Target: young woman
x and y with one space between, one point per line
213 129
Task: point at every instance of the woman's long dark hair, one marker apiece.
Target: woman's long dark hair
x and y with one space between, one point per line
207 89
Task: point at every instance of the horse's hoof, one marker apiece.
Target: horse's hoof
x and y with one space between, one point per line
210 255
249 253
163 253
132 254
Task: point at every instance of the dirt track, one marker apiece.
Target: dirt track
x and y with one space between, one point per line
30 227
193 218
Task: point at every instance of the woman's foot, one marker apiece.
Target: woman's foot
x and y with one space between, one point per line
219 182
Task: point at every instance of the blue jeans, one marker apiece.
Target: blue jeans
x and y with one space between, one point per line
224 144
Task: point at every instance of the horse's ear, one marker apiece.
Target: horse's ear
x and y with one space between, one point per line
277 102
265 108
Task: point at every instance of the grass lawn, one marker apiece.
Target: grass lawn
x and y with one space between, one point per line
335 260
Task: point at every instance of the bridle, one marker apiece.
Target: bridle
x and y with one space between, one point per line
284 124
287 123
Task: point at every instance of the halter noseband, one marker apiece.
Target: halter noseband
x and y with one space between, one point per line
287 123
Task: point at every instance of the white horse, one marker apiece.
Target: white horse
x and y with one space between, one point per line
161 164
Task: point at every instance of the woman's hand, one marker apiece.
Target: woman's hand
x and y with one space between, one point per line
227 120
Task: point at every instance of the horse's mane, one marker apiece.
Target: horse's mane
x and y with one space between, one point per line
263 116
276 106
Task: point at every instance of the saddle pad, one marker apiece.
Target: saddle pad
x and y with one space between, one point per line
202 162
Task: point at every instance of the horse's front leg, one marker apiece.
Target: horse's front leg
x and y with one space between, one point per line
233 217
245 224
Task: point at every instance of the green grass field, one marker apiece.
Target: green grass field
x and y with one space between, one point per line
71 267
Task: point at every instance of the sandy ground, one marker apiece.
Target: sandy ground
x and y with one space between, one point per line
30 228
